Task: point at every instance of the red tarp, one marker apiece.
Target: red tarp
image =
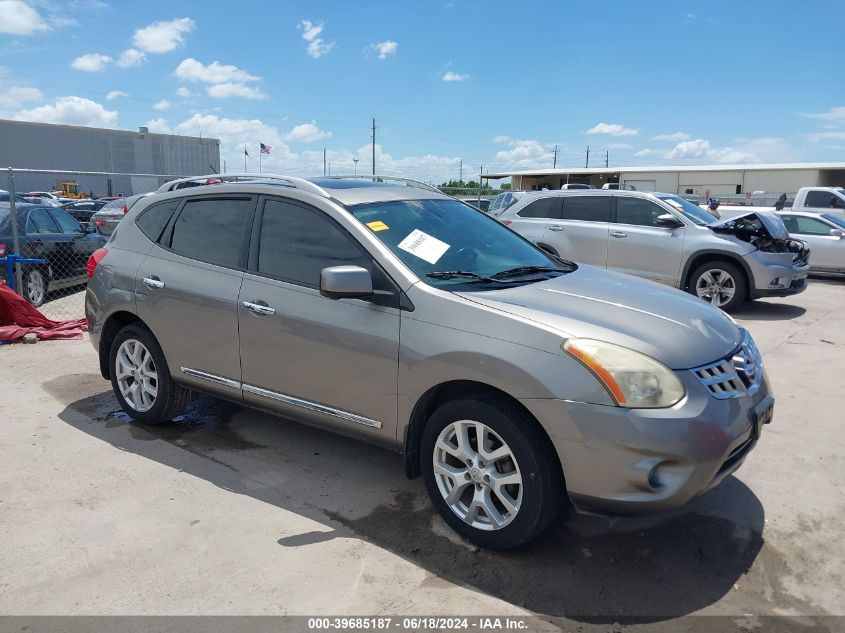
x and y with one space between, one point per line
18 317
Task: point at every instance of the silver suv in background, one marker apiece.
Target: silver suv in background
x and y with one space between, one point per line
664 238
512 380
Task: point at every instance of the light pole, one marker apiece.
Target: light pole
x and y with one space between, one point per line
355 160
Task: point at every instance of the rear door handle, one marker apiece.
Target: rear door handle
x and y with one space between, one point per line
618 234
555 227
259 308
154 283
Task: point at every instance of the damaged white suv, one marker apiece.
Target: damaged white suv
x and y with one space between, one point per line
665 238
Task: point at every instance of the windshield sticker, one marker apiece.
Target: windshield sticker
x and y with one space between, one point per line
424 246
377 226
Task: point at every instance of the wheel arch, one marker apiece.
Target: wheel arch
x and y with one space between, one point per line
438 395
114 324
714 255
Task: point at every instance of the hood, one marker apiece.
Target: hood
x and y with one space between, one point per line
769 221
679 330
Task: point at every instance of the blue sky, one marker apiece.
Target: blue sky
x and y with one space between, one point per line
491 83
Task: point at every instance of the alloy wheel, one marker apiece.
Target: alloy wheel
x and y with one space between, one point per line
136 375
477 475
36 288
716 286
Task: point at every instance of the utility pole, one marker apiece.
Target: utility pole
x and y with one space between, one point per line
587 164
374 146
479 185
554 164
461 180
355 160
606 158
324 161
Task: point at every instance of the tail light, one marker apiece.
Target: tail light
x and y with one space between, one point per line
94 260
125 209
2 250
100 222
506 222
213 181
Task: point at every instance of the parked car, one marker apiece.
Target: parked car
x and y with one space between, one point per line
44 197
615 186
481 205
665 238
82 210
830 200
824 233
110 215
512 380
576 185
503 201
49 233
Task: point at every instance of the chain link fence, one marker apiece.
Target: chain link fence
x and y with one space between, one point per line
50 226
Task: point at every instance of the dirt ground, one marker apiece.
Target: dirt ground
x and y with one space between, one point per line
231 511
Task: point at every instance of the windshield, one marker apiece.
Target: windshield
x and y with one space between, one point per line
446 236
691 211
836 220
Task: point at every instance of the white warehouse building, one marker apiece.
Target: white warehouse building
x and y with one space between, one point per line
688 180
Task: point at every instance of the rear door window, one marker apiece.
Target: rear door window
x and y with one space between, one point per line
41 222
587 208
548 208
212 230
66 223
637 211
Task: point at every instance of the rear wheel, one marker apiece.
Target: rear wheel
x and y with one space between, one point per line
35 287
141 378
490 472
720 283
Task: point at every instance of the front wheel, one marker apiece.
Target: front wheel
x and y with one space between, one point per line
720 283
141 378
490 472
35 287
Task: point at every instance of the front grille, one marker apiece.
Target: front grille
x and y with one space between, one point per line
736 375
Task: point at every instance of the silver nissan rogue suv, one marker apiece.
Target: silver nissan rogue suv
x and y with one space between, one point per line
511 379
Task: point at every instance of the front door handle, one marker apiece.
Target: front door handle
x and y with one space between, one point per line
153 282
618 234
259 307
555 227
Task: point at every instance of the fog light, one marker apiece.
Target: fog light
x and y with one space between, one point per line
654 478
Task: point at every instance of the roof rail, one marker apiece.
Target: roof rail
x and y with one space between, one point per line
293 181
378 178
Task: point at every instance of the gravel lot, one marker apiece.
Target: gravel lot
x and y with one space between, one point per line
231 511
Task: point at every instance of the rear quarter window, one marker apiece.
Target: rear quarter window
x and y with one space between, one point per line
153 220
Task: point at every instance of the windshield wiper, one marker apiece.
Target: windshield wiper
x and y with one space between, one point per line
456 274
523 270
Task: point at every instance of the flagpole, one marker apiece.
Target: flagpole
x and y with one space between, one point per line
244 157
259 157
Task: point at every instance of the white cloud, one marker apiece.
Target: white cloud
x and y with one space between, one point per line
214 73
71 111
820 137
453 76
501 138
306 133
161 36
18 18
182 91
91 63
741 150
526 153
383 49
675 137
644 152
164 104
114 94
158 126
131 57
612 129
230 90
836 114
317 47
14 97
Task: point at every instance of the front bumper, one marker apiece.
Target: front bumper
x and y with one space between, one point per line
775 275
621 461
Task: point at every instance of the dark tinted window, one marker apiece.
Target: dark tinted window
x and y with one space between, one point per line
637 211
589 208
41 222
211 230
66 223
153 220
297 243
542 208
821 199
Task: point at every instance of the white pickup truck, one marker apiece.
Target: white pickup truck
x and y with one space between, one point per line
816 199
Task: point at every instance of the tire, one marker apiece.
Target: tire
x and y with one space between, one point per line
35 287
139 349
726 276
537 498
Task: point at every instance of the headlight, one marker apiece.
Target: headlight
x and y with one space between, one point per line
632 379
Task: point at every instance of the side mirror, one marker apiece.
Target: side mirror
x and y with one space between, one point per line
837 233
668 221
349 282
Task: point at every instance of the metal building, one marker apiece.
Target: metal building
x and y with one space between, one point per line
47 146
690 180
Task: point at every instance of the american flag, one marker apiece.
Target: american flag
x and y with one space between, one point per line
265 149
